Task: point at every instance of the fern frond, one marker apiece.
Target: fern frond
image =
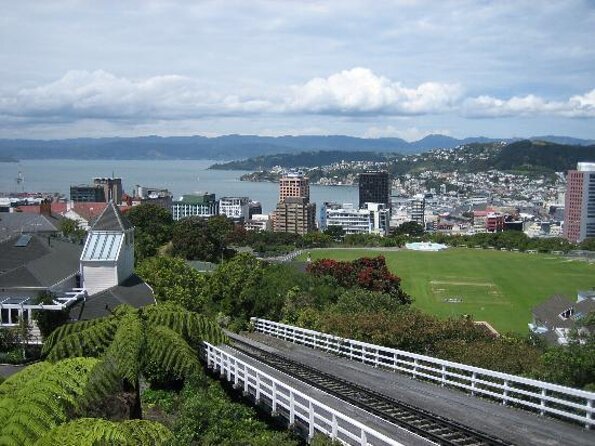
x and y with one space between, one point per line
43 400
168 349
14 381
90 340
94 431
193 326
66 329
126 347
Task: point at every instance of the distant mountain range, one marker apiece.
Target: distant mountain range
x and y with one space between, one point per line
230 147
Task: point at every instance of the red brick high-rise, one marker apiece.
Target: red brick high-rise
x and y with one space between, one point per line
579 209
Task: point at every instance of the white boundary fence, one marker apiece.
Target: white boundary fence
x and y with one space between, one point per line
292 404
543 397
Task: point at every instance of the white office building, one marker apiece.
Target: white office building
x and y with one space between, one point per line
373 218
236 208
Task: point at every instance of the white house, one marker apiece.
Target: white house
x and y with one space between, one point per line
108 256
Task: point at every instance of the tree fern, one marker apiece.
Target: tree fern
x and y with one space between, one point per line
84 340
126 347
42 398
193 326
93 431
166 348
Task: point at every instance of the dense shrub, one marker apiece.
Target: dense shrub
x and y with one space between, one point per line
368 273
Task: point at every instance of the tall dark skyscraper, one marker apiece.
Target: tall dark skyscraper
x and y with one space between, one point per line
374 187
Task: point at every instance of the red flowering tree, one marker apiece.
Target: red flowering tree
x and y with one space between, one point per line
369 273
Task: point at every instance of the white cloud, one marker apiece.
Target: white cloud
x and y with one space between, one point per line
360 91
350 93
578 106
99 94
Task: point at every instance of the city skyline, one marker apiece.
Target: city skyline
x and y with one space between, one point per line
394 68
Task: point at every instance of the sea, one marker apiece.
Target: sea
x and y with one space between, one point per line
179 176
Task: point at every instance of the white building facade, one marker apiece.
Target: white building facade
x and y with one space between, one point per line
373 218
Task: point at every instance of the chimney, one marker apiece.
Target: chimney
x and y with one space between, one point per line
45 208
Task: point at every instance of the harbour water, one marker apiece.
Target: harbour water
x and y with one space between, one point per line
179 176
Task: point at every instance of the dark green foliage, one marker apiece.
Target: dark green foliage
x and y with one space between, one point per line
410 228
48 321
572 365
95 432
153 228
507 239
234 284
173 280
207 417
542 155
588 244
196 238
358 300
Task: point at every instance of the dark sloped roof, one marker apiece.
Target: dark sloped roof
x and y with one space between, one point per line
14 223
548 312
39 264
111 219
133 291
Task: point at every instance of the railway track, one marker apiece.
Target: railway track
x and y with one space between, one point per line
433 427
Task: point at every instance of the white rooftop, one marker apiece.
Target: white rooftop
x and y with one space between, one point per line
586 167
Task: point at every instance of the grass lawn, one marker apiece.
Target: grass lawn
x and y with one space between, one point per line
498 287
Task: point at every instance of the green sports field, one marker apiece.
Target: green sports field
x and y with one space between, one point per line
498 287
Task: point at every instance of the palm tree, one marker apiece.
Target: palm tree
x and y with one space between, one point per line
132 341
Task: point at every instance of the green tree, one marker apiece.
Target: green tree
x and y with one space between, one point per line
71 228
48 321
335 232
153 228
588 244
154 341
571 365
234 285
173 280
317 240
196 238
410 228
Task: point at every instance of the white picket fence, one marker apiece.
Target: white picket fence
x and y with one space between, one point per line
294 405
543 397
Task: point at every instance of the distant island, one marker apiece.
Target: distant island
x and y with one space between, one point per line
232 147
8 159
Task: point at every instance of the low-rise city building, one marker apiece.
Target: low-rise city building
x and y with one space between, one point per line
199 205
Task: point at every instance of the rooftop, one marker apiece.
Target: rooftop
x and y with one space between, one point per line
43 262
133 291
111 219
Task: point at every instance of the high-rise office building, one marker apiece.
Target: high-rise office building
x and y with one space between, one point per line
374 187
294 184
295 215
417 210
579 218
87 193
294 212
112 188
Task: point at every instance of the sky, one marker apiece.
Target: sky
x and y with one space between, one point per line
402 68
